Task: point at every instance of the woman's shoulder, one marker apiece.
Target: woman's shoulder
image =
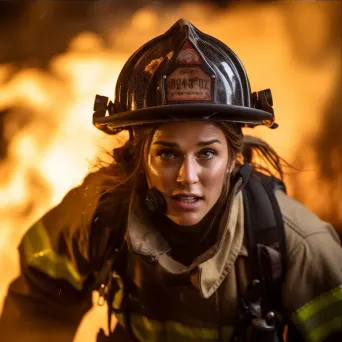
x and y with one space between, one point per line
73 219
74 215
87 197
83 199
301 225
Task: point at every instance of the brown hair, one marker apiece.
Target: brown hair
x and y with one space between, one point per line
255 151
243 148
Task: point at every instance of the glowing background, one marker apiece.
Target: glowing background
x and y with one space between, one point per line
48 143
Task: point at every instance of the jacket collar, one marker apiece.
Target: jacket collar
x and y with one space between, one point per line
209 269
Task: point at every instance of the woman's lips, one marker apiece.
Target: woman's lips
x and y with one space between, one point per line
188 203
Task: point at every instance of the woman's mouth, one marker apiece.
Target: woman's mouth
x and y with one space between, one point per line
187 202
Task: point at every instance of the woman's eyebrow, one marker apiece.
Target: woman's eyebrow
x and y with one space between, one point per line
165 143
172 144
209 142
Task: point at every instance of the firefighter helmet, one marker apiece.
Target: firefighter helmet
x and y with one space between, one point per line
183 75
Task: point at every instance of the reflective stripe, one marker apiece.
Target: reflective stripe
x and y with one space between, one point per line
118 296
326 329
148 330
40 255
121 319
320 317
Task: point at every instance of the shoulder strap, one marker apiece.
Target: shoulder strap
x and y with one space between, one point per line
265 236
109 256
264 229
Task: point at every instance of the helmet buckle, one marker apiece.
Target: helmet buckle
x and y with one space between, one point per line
263 100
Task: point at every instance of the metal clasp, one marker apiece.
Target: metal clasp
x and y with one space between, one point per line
102 295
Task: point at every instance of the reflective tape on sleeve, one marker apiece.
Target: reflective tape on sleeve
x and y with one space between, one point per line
320 317
40 255
148 330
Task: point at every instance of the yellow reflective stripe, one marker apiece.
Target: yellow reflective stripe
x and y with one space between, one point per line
148 330
321 316
40 255
323 331
121 319
189 332
317 304
118 296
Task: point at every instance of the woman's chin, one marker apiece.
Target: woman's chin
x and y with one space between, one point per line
185 220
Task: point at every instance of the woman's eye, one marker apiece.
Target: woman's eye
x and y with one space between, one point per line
166 155
207 154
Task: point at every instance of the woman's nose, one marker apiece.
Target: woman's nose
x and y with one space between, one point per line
188 173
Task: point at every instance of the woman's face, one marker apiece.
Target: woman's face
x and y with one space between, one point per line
188 163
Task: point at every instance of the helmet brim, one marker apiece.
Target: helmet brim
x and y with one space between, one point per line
185 112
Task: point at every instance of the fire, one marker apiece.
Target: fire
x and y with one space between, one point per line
52 144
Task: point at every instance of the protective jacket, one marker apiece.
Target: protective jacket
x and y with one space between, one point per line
61 258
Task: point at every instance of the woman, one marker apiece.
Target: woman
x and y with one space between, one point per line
169 218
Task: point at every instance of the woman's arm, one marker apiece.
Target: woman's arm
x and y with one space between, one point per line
38 308
53 292
312 291
313 288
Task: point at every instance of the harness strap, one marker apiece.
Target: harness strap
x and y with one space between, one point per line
265 238
110 259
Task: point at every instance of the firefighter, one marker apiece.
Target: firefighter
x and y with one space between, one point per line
182 235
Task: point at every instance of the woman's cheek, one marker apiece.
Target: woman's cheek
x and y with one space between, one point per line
166 179
215 174
160 177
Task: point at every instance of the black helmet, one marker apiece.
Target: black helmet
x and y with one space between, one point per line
183 75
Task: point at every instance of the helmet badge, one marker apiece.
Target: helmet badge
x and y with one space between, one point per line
188 55
188 82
